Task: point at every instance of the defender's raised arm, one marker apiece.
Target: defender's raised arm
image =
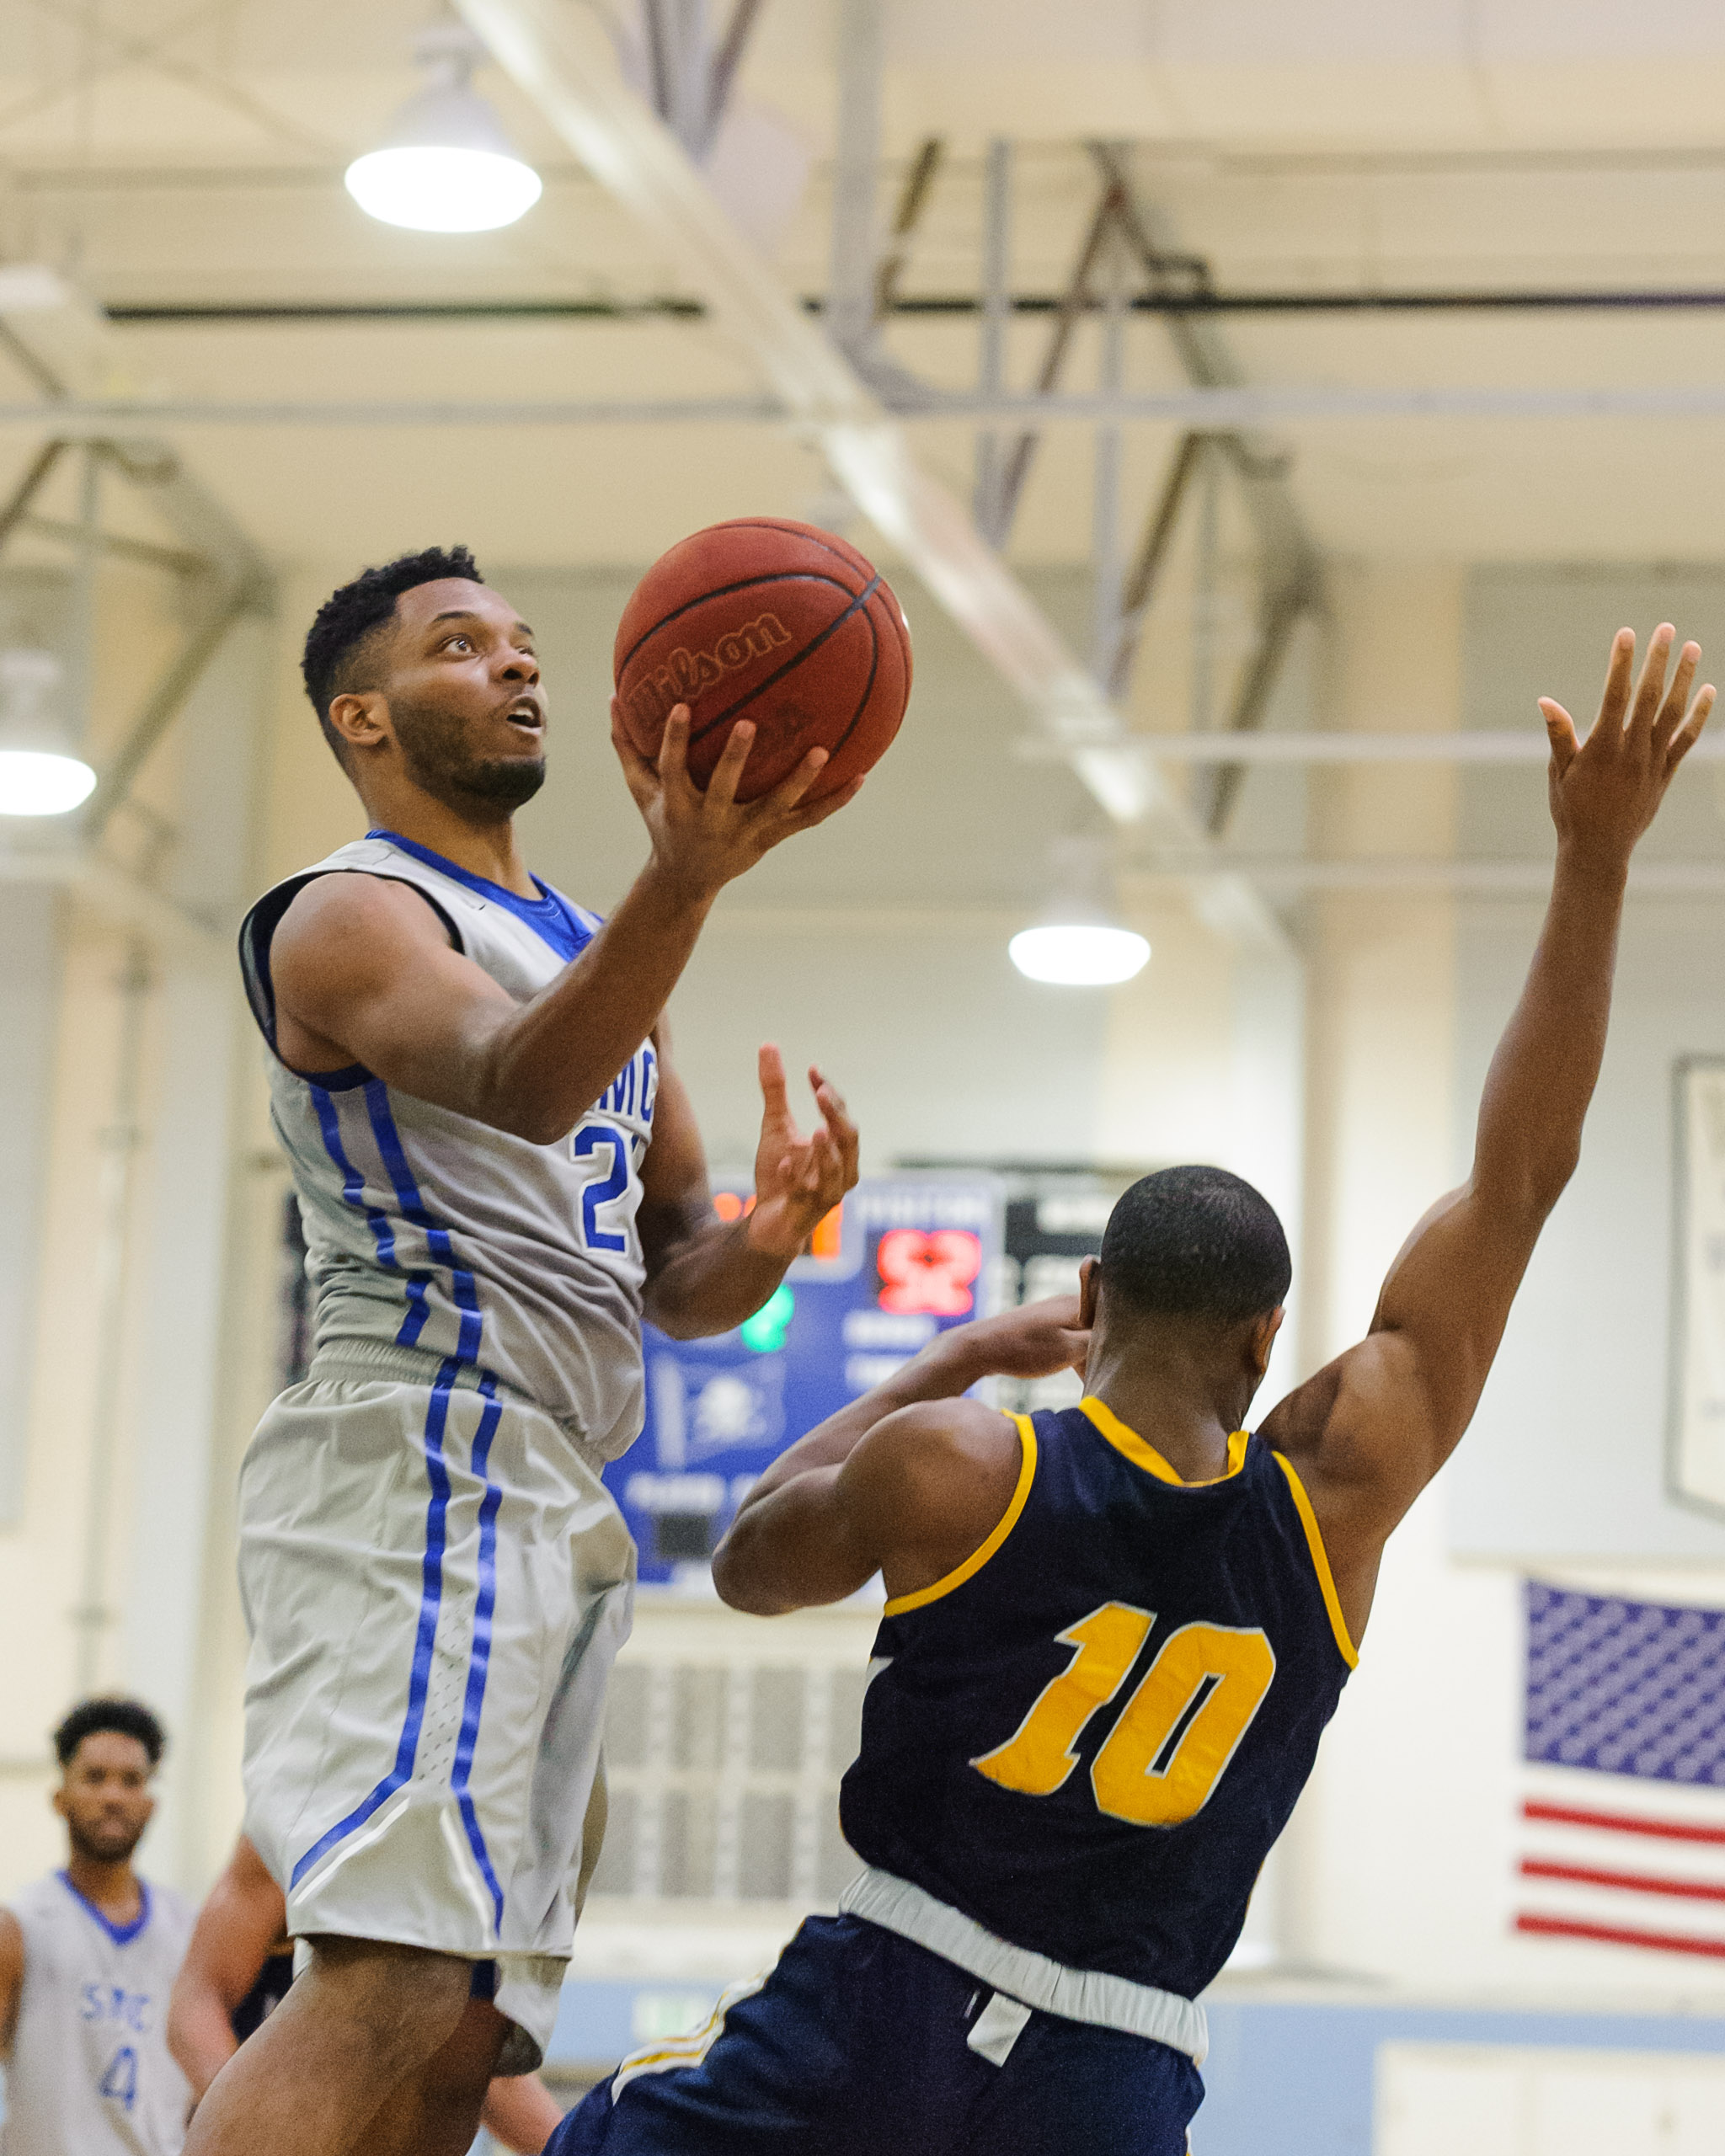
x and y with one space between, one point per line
1369 1431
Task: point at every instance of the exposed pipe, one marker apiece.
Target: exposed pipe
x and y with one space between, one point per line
121 1141
1486 746
1208 410
1460 300
992 356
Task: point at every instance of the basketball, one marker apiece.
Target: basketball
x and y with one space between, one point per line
775 622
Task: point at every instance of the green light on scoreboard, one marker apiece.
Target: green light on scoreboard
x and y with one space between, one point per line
766 1331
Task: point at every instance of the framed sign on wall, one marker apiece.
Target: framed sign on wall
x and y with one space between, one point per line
1696 1454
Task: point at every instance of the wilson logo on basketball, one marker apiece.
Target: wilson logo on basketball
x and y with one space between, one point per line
686 674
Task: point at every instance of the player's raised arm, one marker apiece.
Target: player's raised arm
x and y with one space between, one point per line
364 972
1369 1431
906 1482
705 1275
11 1979
237 1926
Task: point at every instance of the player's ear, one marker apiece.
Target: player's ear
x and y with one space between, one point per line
362 718
1263 1337
1089 1278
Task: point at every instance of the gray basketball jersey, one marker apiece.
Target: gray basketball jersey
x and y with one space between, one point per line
428 1231
90 2072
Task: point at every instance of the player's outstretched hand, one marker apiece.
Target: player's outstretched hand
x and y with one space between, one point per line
798 1179
705 840
1606 790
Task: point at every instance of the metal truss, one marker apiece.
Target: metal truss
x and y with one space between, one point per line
219 575
1122 223
830 385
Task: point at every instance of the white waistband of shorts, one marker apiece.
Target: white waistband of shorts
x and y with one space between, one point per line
1076 1994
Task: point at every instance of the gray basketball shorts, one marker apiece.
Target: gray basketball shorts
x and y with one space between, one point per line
437 1583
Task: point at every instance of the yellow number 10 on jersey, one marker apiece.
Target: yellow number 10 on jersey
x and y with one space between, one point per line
1176 1734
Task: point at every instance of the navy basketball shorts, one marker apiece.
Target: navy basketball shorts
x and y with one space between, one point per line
861 2043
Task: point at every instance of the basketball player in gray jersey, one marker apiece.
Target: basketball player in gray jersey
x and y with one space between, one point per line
87 1959
499 1171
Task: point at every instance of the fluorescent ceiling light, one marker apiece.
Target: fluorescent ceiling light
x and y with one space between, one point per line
39 782
1080 943
447 165
1079 953
40 774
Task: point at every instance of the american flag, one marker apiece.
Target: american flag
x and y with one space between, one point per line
1623 1833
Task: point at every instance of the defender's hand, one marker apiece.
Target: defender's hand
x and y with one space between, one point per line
1606 790
798 1179
702 840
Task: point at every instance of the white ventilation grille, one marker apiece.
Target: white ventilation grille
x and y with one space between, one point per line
724 1763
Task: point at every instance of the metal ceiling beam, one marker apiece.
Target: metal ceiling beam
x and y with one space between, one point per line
1204 410
913 200
1291 572
561 58
1486 746
1436 876
1076 301
115 893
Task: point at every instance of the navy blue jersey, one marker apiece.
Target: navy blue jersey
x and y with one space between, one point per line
261 2001
1087 1737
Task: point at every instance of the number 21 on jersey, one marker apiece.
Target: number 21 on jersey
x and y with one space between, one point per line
1175 1736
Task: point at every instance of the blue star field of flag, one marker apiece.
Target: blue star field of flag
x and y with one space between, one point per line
1626 1687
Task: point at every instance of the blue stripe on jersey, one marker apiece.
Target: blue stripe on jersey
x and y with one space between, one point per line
431 1601
479 1662
550 917
352 1183
462 1283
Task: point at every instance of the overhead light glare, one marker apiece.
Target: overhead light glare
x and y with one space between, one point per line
1079 954
447 165
35 782
427 189
40 776
1081 941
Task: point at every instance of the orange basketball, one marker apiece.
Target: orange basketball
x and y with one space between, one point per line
778 622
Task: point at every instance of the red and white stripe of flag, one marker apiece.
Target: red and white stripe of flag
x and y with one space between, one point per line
1622 1862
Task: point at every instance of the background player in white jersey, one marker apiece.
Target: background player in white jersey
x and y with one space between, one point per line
498 1169
88 1958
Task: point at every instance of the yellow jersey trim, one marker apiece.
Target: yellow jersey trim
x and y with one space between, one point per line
1148 1458
1003 1527
1320 1563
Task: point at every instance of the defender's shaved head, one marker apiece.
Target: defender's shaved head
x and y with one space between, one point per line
1195 1242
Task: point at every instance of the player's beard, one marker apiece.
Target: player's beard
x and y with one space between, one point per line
435 752
111 1845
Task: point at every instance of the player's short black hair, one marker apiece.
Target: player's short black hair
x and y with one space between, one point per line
1196 1242
126 1717
348 617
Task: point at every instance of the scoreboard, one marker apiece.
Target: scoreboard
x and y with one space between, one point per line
901 1259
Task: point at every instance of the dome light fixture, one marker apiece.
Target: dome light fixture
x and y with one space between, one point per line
1080 941
1079 953
39 773
446 165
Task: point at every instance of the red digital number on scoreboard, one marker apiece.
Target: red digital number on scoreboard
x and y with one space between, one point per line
928 1272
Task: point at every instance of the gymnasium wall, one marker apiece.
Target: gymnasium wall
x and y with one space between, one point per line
126 1290
1399 1862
